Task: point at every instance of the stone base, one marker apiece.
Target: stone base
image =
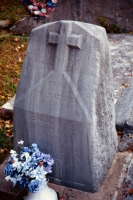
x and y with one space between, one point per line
112 187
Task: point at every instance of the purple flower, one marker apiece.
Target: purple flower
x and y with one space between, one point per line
48 159
34 186
47 168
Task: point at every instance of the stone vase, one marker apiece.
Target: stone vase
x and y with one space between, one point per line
43 194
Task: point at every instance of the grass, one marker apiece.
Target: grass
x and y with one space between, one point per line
11 10
12 53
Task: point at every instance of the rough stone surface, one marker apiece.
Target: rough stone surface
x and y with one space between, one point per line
126 143
115 12
127 185
122 62
124 109
64 102
7 108
121 46
25 25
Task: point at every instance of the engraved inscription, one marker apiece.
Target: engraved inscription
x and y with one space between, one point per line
55 97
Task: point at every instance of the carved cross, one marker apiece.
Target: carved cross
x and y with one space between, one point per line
64 41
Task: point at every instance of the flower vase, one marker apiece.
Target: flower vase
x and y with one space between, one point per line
45 193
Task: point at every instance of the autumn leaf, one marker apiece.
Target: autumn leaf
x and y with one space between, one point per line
16 39
7 122
119 133
1 150
130 191
9 134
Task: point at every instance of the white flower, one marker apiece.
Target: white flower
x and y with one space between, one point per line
27 156
25 169
19 177
37 12
54 1
16 164
43 10
30 7
21 142
13 153
38 173
8 178
14 180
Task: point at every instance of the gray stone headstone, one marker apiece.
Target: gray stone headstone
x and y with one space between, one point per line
64 102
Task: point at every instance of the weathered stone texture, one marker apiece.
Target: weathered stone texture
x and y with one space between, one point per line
119 11
64 102
115 12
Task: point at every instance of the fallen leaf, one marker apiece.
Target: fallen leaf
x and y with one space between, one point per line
8 126
127 85
130 191
20 59
7 122
9 134
119 133
1 150
16 39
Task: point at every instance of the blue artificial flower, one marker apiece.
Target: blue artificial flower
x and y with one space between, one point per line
28 168
47 168
42 17
8 169
34 186
10 160
51 4
37 156
26 149
25 2
48 159
34 147
23 183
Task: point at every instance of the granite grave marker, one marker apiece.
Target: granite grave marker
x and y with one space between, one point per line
124 110
64 102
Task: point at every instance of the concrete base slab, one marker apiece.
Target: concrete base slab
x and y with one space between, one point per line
112 187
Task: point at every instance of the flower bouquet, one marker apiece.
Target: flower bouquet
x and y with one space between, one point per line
28 167
39 10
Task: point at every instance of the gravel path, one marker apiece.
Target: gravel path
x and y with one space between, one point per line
121 46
